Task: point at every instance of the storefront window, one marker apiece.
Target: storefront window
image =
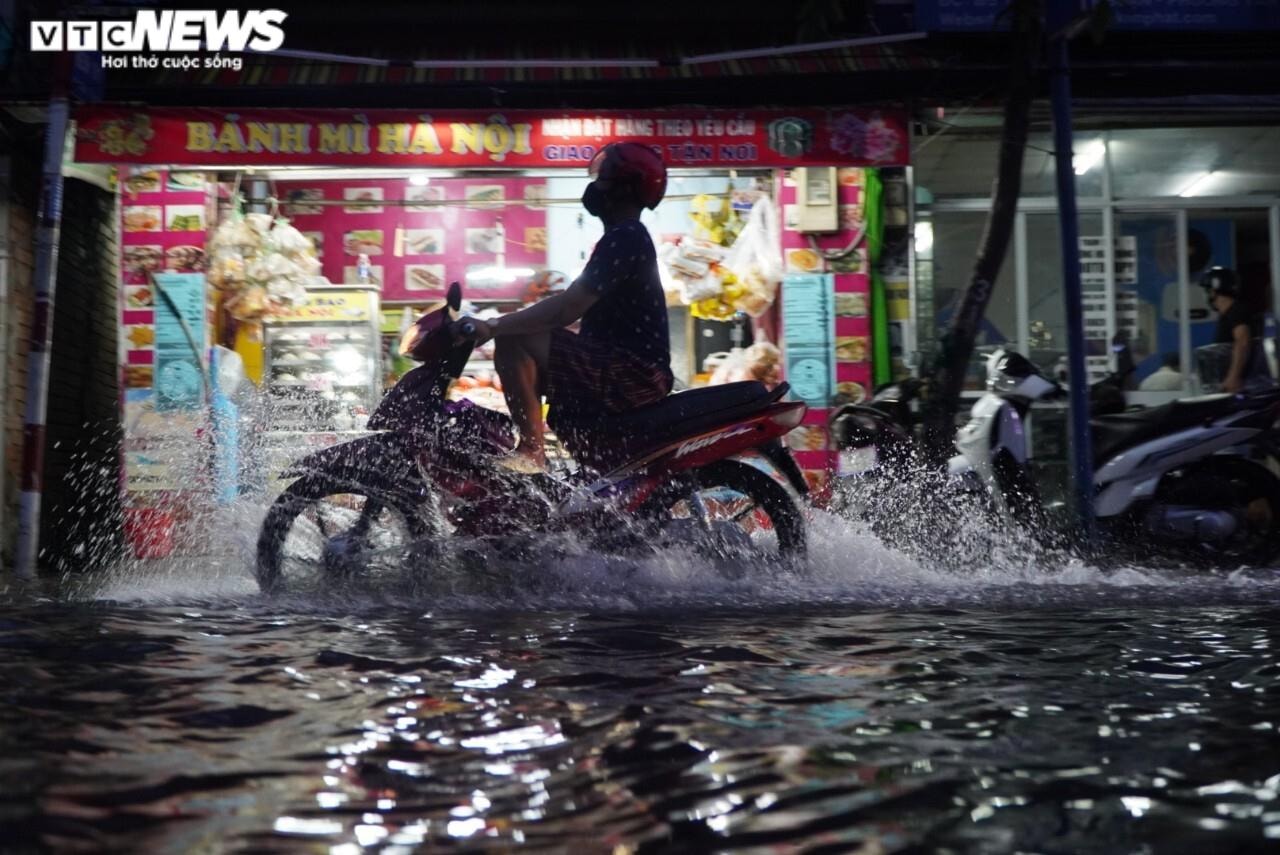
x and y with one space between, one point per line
1190 162
959 166
956 236
1046 309
1158 302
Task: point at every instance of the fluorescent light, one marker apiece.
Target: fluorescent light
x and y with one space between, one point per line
495 273
1195 184
924 237
1090 157
419 179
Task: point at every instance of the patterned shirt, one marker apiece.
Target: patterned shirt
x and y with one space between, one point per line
631 313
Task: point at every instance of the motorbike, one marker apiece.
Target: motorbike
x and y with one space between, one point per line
704 467
1182 479
883 429
884 481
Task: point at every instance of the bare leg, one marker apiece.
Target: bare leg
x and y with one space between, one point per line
522 363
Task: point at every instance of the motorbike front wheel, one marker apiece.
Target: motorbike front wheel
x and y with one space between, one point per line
322 531
1245 490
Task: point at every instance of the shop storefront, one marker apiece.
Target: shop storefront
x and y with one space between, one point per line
1158 207
293 247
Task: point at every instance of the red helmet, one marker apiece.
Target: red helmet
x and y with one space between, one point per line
635 164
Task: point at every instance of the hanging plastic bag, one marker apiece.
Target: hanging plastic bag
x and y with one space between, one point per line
759 244
756 260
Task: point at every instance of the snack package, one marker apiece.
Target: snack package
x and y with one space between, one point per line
688 269
248 304
696 290
263 263
288 240
260 224
712 309
227 270
233 233
715 219
701 250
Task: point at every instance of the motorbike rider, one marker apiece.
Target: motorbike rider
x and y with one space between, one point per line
1235 327
621 357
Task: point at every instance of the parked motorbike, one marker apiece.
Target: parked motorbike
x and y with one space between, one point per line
883 429
1177 479
884 482
704 467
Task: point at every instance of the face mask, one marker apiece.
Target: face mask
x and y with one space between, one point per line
593 200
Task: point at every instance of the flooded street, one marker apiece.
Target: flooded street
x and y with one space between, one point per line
868 704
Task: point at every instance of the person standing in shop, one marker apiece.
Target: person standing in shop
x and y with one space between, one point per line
1237 328
621 357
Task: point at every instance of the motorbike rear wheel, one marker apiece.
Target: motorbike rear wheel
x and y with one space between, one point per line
747 513
321 531
1247 491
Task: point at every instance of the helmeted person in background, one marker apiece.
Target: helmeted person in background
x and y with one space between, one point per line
1237 328
621 357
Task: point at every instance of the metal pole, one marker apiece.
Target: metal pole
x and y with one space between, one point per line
1273 247
6 253
1185 360
1109 253
1081 442
49 227
1022 307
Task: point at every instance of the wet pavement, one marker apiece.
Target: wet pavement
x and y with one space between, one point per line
867 704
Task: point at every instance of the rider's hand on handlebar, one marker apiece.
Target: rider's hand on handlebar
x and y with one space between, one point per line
473 330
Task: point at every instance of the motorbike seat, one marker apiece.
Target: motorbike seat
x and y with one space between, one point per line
608 439
1116 433
688 411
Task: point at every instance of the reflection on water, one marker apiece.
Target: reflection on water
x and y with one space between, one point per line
870 705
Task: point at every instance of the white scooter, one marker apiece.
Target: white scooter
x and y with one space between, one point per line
1177 478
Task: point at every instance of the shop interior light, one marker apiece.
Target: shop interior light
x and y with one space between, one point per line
1090 157
505 275
924 237
348 361
419 179
1196 183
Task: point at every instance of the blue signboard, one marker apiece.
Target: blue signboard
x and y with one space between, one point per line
1142 15
180 341
808 324
1217 15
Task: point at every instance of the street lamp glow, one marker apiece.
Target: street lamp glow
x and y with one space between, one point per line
1090 157
924 237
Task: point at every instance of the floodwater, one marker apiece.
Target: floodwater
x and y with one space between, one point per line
865 704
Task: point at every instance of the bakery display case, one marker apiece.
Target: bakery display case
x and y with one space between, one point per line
323 359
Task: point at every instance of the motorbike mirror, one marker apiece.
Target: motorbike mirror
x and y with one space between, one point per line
454 297
423 340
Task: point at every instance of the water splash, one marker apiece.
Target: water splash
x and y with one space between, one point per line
847 565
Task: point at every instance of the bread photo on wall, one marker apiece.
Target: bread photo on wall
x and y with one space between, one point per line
424 277
851 348
851 305
367 197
